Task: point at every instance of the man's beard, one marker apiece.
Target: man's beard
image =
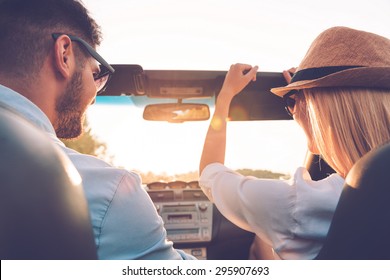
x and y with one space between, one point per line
69 110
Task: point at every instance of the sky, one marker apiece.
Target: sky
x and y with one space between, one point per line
211 35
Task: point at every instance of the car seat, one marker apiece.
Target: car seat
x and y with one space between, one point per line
360 229
43 212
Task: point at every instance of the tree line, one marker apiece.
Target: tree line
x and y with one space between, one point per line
88 143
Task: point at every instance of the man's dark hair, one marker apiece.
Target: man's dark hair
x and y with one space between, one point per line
26 27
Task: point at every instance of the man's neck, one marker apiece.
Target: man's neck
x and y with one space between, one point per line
38 92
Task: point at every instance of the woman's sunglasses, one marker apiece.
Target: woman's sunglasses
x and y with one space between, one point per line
289 102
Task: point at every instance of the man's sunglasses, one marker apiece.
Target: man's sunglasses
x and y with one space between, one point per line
106 70
289 103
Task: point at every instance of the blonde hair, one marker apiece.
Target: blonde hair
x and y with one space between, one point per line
347 123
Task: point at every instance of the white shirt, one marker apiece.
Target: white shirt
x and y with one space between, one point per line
293 216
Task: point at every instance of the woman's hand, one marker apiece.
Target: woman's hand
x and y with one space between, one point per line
287 74
214 147
236 80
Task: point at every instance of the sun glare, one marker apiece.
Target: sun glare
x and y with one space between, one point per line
211 35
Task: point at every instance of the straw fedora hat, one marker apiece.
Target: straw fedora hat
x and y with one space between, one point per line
342 56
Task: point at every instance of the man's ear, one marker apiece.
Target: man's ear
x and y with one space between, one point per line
64 56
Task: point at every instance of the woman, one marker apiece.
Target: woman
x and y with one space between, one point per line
340 96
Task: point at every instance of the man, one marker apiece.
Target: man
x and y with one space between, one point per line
50 74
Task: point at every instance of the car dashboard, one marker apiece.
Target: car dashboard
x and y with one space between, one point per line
195 225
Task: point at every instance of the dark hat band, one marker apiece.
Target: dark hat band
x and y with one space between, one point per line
319 72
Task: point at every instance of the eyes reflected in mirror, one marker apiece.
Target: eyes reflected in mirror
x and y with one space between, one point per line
177 112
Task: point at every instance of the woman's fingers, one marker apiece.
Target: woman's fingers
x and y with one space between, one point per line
287 74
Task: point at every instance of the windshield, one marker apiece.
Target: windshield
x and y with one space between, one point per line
211 35
172 149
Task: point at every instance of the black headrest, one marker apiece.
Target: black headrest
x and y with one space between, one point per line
360 227
43 211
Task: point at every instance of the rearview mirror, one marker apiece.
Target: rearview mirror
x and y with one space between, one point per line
176 112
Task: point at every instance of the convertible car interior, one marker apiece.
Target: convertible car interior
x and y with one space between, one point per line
359 230
193 223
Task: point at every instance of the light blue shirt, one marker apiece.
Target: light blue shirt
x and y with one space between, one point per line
292 216
125 222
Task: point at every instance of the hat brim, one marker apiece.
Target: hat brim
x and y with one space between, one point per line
368 77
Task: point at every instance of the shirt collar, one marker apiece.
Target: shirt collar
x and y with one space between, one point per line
26 108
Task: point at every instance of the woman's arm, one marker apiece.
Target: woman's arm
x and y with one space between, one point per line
236 80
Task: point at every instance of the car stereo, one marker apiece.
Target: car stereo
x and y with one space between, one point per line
186 211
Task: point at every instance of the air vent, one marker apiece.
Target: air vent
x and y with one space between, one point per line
160 196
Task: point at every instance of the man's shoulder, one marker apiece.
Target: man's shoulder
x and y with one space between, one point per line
95 169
